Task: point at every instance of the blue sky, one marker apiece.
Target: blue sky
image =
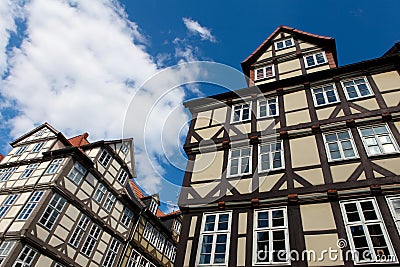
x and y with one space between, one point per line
77 64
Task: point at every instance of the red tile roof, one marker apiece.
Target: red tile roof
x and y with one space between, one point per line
138 192
79 140
159 213
1 157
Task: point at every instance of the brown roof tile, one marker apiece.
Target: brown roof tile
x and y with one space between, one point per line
79 140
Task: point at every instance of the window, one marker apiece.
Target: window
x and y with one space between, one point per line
124 149
59 265
264 72
284 44
268 107
6 173
38 147
7 204
153 206
5 249
315 59
239 161
270 156
26 257
271 237
356 88
20 150
91 240
79 232
30 206
394 204
112 253
105 158
41 132
214 239
100 192
109 201
154 236
340 145
127 217
77 173
137 260
170 250
241 112
52 212
123 175
177 226
160 242
378 140
325 95
53 166
148 231
29 170
366 230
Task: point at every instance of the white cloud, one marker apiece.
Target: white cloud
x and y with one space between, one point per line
195 27
78 68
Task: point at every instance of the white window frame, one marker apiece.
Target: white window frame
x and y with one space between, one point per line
79 231
324 89
77 173
29 170
5 249
314 56
215 233
111 253
20 150
124 149
110 201
359 96
6 173
264 71
379 144
284 44
270 229
153 206
26 257
396 218
38 147
148 231
105 158
30 206
241 119
100 192
271 155
122 176
339 142
160 242
364 223
53 167
91 240
177 226
127 217
267 107
240 158
52 212
7 204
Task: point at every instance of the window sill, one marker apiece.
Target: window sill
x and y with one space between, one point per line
360 97
315 66
264 79
326 105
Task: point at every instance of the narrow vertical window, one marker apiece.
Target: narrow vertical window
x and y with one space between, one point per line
268 107
271 238
122 177
111 253
53 167
7 204
52 212
105 158
177 226
26 257
77 173
20 150
110 200
239 161
378 140
29 170
148 231
100 192
160 242
214 239
5 249
340 145
91 240
30 206
38 147
153 206
366 230
79 231
270 156
127 217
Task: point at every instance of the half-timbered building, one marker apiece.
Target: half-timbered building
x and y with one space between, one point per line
69 202
306 158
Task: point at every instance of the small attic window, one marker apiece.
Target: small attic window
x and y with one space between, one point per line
264 72
284 44
41 132
124 149
153 206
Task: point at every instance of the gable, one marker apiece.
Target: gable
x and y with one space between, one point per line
44 131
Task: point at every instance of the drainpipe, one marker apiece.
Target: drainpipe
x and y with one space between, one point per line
131 236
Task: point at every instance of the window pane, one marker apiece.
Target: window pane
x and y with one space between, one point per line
380 129
366 132
351 212
223 222
288 42
277 218
351 91
310 61
262 219
320 58
330 137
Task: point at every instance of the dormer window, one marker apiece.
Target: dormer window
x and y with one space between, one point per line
264 72
284 44
315 59
153 206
